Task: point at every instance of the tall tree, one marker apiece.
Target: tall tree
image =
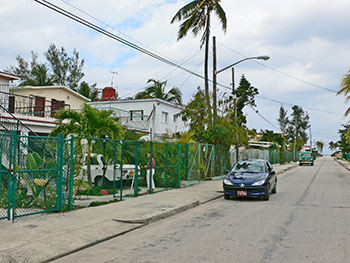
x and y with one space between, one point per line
89 122
157 90
195 112
298 124
320 145
67 70
60 69
245 97
344 142
196 17
332 145
345 89
283 119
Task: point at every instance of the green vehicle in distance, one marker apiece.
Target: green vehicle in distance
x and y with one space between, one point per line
306 158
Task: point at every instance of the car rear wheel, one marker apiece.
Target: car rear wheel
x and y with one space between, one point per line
226 196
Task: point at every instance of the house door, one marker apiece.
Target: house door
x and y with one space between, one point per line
39 108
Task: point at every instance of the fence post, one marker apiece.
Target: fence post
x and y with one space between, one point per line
13 174
166 166
114 167
150 179
136 175
71 174
60 171
199 162
187 167
179 167
121 169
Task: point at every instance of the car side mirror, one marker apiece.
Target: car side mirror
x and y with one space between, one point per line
272 172
228 171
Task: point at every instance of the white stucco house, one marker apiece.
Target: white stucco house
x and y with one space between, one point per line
155 116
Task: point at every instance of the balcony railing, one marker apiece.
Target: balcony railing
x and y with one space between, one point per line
30 105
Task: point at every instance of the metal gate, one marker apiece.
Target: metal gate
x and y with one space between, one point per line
31 175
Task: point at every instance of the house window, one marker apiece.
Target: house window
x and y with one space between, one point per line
39 108
56 105
165 116
136 115
176 117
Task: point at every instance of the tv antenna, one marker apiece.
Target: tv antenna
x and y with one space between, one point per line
113 73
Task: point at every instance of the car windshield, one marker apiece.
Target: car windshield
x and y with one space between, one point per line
248 167
306 154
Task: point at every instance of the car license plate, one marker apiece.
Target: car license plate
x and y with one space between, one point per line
242 193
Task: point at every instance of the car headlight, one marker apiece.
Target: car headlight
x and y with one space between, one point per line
261 182
228 182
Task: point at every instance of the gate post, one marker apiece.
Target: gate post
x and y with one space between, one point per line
60 142
121 169
71 174
136 174
179 167
13 147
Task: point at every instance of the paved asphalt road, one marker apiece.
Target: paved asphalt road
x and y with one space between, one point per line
308 220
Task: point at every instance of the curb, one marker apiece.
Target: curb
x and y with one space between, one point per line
160 216
90 244
141 223
342 164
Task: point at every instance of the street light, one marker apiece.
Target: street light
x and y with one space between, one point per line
234 92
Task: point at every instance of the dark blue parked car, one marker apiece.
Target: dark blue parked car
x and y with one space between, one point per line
251 178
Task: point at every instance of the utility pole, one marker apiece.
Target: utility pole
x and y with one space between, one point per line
235 109
295 138
310 139
215 113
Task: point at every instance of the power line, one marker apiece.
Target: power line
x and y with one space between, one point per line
136 47
113 36
261 116
283 73
305 107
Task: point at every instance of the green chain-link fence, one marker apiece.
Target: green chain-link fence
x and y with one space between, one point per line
43 174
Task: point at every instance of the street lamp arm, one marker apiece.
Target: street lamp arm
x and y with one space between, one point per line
234 64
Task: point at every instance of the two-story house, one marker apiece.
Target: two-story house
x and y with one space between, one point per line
154 115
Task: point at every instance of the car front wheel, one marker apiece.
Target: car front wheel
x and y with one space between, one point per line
274 190
266 196
226 196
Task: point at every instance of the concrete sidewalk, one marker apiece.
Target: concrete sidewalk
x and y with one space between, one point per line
44 237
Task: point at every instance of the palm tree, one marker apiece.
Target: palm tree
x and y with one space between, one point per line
196 16
345 88
39 77
157 90
88 91
89 122
332 145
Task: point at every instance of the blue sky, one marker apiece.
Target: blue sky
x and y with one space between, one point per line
307 40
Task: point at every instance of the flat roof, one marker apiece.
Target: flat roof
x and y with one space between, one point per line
138 101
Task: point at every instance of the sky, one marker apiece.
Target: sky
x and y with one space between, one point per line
307 41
